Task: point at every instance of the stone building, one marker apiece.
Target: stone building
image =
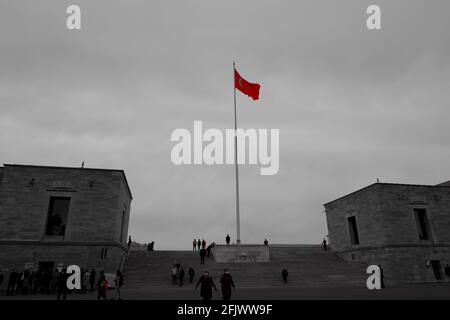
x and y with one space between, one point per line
404 228
57 216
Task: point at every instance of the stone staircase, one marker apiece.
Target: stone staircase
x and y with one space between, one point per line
308 266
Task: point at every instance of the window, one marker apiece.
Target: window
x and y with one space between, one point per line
353 229
57 216
423 225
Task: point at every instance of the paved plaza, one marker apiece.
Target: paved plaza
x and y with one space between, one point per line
431 291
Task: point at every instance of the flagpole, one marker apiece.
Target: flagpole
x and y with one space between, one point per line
238 225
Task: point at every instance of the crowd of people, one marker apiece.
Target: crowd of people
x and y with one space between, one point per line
54 282
45 281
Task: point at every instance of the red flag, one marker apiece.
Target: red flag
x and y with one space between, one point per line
248 88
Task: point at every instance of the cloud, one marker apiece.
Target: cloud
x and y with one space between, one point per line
351 105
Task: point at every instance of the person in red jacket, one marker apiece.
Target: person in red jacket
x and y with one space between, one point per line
203 244
206 286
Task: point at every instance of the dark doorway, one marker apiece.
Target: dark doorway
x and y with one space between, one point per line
436 265
353 228
46 266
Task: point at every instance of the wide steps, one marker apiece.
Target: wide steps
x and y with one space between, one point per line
307 266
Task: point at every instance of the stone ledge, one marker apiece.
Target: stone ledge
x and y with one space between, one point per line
241 253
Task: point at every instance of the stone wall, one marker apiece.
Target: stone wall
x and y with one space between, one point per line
16 255
97 200
98 215
1 175
403 264
388 230
385 216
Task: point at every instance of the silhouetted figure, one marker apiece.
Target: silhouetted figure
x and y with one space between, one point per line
206 286
62 285
194 245
284 274
119 282
191 273
227 239
31 281
19 282
92 279
199 244
174 274
381 277
25 282
202 256
266 242
11 282
447 271
150 246
102 285
129 242
226 282
203 244
84 281
324 245
54 281
208 249
181 276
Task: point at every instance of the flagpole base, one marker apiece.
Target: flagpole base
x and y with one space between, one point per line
241 253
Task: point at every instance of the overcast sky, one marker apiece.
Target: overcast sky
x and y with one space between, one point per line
352 105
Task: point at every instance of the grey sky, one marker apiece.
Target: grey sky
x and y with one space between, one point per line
351 104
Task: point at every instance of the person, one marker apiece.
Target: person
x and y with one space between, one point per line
181 276
207 284
84 281
31 281
208 250
202 256
92 279
284 274
194 245
119 283
62 285
446 271
199 243
12 280
54 282
203 244
174 274
129 242
226 282
227 239
150 246
191 273
266 242
102 285
381 277
19 282
324 244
